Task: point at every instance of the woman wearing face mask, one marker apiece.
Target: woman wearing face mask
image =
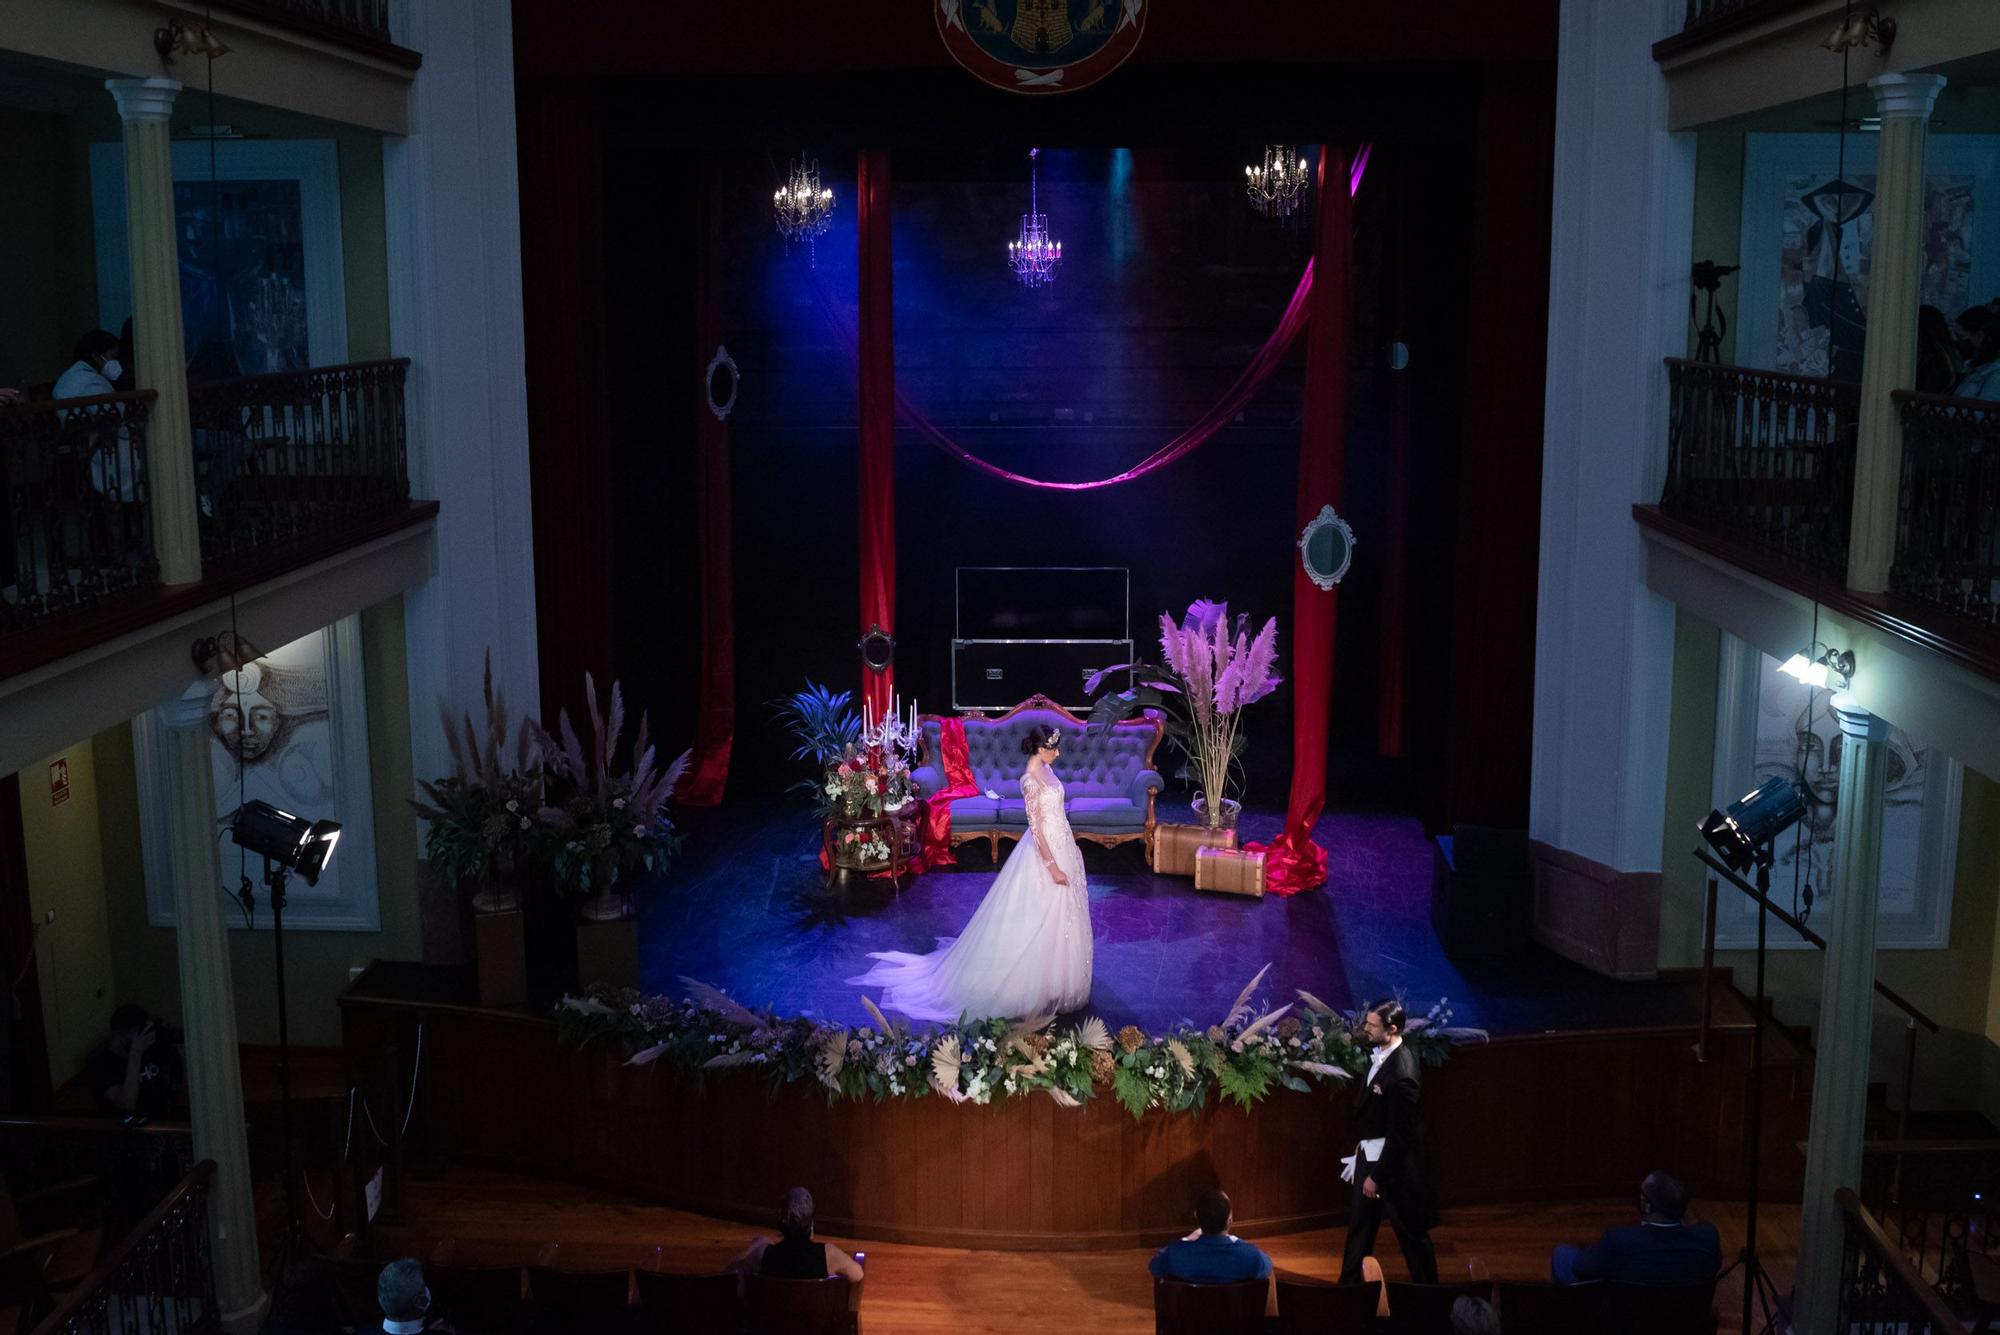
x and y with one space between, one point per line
112 472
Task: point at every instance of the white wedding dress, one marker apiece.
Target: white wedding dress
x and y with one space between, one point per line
1026 950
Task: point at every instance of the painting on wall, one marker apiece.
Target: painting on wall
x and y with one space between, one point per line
1772 725
259 241
243 282
290 729
1808 226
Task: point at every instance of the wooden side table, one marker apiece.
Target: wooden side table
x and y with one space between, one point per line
897 829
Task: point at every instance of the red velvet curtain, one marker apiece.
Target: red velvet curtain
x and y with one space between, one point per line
878 415
715 708
1294 862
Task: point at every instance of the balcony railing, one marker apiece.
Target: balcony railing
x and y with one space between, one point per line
1763 459
75 527
1948 520
285 460
363 21
160 1279
1705 20
1881 1292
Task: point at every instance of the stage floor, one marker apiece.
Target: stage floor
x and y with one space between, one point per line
747 909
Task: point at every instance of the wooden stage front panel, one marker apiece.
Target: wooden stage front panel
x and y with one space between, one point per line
1544 1117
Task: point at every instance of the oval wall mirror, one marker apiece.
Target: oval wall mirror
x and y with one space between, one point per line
878 649
722 383
1326 548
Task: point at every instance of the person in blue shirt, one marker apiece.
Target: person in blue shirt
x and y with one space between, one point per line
1212 1255
1660 1250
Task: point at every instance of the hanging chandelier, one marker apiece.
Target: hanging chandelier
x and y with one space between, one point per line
802 208
1276 186
1034 257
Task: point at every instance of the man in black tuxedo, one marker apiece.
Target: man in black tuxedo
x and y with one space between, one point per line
1388 1164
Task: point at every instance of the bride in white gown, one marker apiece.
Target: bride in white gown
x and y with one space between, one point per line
1027 949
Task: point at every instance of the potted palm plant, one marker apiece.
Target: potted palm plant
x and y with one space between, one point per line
1211 669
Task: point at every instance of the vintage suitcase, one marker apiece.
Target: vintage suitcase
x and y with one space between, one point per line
1174 846
1229 870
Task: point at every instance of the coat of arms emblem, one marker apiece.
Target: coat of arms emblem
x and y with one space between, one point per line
1041 46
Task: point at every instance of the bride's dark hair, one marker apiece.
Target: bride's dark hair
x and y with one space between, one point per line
1039 736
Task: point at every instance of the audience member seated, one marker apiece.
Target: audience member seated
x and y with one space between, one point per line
1474 1316
1660 1250
95 366
134 1072
1211 1254
405 1300
1979 339
795 1255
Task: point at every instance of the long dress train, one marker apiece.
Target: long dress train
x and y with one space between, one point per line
1026 950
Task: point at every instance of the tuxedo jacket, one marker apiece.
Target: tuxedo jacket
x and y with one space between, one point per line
1387 1107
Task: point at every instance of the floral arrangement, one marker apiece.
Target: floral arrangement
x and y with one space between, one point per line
874 780
607 822
1210 671
1241 1060
867 845
482 816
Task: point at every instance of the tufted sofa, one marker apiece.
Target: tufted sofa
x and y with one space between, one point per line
1108 777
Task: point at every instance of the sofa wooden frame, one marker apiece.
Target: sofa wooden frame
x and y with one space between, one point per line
993 834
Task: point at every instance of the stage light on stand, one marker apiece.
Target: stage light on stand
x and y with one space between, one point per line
292 842
1742 833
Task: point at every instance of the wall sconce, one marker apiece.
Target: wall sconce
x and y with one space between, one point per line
1819 671
184 38
1860 31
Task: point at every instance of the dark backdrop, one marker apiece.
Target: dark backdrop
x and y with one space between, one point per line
1169 284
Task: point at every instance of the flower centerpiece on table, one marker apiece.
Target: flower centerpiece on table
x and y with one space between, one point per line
1211 670
482 817
873 782
606 823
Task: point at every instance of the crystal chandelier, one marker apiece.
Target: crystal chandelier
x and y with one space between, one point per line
1034 257
802 208
1276 187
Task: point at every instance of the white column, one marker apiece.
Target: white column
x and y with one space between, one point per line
1846 1015
208 1015
455 311
1618 287
145 106
1895 291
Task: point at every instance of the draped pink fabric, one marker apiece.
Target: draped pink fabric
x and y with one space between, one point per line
1293 862
1233 399
876 353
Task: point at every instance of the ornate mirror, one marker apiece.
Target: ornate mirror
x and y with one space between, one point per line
1326 548
722 380
878 649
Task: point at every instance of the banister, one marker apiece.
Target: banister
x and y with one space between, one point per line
1861 1222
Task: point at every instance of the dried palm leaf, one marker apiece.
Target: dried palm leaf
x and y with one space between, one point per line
1064 1098
1182 1057
944 1068
646 1056
712 999
881 1020
832 1055
722 1059
1263 1023
1093 1035
1241 1010
1314 1003
1321 1068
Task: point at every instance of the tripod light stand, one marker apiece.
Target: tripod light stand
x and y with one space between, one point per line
288 844
1742 835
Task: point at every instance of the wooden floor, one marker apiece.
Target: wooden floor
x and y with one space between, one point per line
483 1217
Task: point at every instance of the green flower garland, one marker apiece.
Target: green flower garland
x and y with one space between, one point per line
1240 1060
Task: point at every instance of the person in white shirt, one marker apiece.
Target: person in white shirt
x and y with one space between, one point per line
1388 1164
113 470
404 1297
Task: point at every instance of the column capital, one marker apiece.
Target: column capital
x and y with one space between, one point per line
144 99
1856 722
1906 96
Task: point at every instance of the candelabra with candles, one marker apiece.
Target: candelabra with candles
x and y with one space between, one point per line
1279 183
1035 255
893 732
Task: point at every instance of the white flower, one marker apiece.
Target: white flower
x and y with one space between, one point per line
525 822
513 805
909 1061
638 832
617 804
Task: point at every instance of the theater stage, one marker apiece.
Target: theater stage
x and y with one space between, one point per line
748 909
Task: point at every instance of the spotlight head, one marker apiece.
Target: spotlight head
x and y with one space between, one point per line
1741 833
298 844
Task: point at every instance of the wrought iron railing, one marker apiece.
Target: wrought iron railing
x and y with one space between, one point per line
1703 14
75 527
1881 1293
160 1279
1948 518
367 19
285 459
1763 459
1939 1202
